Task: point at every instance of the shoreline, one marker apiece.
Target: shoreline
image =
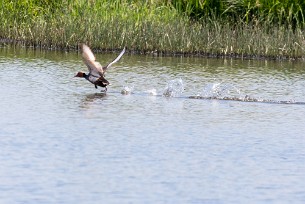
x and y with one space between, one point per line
4 42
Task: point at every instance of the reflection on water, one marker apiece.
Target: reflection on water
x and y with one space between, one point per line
95 96
63 141
92 98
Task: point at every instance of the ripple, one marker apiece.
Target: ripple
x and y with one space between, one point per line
247 99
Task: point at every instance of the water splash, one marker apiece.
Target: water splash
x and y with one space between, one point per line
152 92
220 90
174 88
228 92
127 90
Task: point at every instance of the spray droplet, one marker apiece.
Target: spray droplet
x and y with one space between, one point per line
174 88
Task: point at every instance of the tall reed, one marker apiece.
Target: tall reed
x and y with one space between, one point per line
273 11
154 26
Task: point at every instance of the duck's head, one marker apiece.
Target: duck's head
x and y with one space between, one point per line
80 74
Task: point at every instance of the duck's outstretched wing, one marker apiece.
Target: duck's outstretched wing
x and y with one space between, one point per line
94 67
115 60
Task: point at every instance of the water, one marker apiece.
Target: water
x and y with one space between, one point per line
146 140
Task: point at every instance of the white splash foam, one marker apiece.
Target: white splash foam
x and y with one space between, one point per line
127 90
152 92
174 88
220 90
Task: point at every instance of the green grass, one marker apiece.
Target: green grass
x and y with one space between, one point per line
242 28
280 12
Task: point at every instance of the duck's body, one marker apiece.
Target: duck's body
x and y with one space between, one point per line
96 80
96 70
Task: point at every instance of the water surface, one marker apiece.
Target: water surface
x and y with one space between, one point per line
63 141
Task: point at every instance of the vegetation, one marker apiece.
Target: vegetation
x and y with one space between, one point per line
273 12
243 28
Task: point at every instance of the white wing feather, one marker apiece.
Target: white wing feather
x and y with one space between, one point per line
94 67
115 60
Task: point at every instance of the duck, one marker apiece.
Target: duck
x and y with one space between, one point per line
96 73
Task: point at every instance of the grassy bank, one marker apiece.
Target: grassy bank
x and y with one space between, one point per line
230 28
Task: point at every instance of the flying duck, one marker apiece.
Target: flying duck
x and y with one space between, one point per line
96 73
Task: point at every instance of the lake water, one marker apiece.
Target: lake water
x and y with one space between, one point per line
146 140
